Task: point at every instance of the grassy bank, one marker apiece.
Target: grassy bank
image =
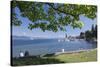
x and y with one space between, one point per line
83 56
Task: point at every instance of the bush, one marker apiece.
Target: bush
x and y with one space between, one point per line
49 55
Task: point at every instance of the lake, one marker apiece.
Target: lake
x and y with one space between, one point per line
45 46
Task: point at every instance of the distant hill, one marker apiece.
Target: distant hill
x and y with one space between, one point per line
26 37
31 38
20 37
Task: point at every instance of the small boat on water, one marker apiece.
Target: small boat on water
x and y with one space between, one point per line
63 40
67 40
72 39
31 38
60 40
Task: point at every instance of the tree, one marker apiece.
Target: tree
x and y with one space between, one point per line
92 34
52 16
92 29
82 35
88 35
95 32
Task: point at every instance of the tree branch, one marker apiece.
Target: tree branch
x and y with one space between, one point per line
56 9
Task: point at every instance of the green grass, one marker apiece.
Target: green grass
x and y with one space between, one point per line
84 56
78 57
34 61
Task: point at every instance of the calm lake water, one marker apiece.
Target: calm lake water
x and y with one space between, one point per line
44 46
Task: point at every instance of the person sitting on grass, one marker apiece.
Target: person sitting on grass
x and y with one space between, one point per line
21 54
26 54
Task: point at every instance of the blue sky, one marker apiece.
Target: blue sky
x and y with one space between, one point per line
24 31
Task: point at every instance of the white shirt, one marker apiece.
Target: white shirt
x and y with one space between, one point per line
21 54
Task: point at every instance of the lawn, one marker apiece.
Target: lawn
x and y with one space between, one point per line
78 57
83 56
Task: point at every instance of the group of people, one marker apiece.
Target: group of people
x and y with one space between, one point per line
22 54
